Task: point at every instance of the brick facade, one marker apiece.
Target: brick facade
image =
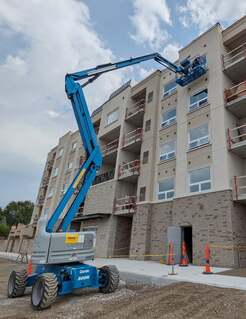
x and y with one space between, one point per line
213 216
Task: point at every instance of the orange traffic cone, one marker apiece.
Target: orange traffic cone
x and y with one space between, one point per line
29 267
207 270
184 261
170 259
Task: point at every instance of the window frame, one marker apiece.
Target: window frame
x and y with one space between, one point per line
50 193
199 143
198 104
116 111
170 120
200 183
74 146
165 193
68 166
170 91
166 155
55 173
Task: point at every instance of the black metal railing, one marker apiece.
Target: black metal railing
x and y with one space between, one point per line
104 177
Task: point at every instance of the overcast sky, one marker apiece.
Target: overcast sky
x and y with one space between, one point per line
40 41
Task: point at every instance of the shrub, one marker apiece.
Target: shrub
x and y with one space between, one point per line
4 230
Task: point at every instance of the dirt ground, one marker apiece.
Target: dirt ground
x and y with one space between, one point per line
176 301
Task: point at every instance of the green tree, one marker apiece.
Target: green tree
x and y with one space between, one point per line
4 230
18 212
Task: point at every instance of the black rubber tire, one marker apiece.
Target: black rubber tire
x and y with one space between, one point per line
17 283
112 279
44 291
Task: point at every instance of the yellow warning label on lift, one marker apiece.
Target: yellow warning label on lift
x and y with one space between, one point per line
71 238
78 179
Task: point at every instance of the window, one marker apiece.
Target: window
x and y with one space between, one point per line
198 99
55 173
50 193
166 189
74 145
142 194
70 165
168 118
150 97
60 152
169 88
200 180
65 185
112 116
198 136
145 157
147 125
167 151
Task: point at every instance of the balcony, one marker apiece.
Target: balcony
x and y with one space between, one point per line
125 205
104 177
109 151
239 188
236 138
129 171
135 112
235 98
132 140
235 63
40 201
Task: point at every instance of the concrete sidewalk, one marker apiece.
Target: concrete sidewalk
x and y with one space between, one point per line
158 274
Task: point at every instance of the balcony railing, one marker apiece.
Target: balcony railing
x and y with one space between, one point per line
135 108
129 169
239 188
104 177
236 135
234 55
110 147
235 92
40 201
133 136
127 203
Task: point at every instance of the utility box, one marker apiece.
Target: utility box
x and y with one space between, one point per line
174 235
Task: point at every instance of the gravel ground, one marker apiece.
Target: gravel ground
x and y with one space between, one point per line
176 301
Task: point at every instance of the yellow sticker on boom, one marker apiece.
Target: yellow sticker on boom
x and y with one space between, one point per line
71 238
78 179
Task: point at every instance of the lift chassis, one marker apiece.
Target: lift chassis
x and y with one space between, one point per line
59 255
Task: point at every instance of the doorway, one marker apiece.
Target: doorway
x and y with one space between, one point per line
187 238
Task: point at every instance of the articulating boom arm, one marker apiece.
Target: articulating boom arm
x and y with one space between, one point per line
188 71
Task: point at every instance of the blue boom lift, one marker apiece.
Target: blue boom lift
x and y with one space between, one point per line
60 255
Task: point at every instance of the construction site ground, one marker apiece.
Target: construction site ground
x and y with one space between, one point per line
173 301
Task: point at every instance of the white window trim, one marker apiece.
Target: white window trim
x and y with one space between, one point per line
198 140
113 111
55 173
197 104
60 153
51 193
74 146
170 91
200 183
68 165
165 192
171 121
165 156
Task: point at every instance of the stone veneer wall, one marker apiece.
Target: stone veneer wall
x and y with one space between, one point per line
213 216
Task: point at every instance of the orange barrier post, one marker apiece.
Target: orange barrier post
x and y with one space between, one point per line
170 253
207 270
184 261
29 267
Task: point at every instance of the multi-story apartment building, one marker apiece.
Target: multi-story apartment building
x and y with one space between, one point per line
174 164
